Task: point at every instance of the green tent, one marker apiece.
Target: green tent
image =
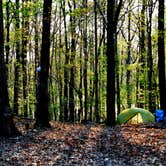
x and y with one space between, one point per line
134 116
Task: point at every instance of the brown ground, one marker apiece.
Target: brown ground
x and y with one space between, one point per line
76 144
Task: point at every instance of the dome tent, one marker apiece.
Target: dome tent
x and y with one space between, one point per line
134 116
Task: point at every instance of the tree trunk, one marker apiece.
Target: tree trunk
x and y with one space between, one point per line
151 88
17 62
113 11
42 110
25 34
110 64
72 63
80 95
128 60
66 73
7 127
85 47
142 60
59 66
96 82
161 56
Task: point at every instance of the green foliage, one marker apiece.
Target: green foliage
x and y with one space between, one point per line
33 10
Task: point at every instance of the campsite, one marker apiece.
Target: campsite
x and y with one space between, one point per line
82 83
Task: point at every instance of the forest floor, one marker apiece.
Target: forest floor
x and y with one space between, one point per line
85 145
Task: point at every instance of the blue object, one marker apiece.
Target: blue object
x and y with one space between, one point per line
159 115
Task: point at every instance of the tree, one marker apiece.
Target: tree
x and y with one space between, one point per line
142 60
96 65
42 111
72 62
25 34
85 51
161 56
113 11
151 92
66 74
7 127
17 61
128 59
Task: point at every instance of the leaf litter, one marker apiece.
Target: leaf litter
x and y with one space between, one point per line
68 144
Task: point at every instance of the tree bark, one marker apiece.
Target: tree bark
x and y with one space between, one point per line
113 11
72 63
96 81
151 88
161 56
17 62
42 110
128 60
25 34
141 85
85 81
66 72
7 127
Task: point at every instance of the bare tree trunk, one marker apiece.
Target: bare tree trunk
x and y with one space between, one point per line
60 83
141 85
85 47
42 110
72 62
151 88
96 81
128 60
17 62
25 34
80 95
161 56
7 127
113 11
66 73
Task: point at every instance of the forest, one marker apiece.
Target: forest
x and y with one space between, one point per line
65 64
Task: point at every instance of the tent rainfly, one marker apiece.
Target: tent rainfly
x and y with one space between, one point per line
134 116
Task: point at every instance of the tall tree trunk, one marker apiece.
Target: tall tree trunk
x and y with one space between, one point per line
80 95
91 96
161 56
113 11
60 83
142 60
25 34
7 127
111 32
85 47
97 118
42 110
72 62
151 91
128 60
66 73
17 62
